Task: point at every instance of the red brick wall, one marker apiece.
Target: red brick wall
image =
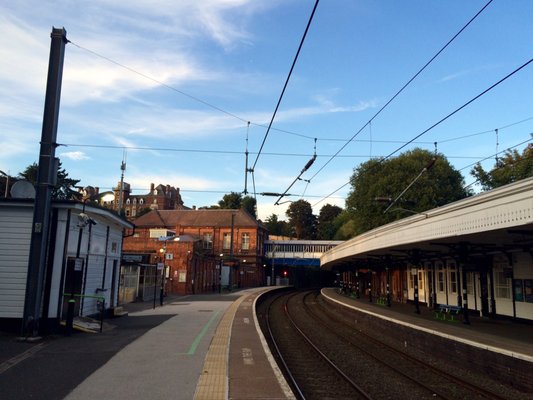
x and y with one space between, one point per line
198 267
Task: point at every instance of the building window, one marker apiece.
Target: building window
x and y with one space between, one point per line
226 241
470 283
440 277
453 278
245 244
141 201
127 212
128 201
502 285
133 212
134 201
208 241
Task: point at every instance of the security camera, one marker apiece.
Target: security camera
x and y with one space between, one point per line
84 220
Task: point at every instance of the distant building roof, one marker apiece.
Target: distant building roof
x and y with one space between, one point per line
199 218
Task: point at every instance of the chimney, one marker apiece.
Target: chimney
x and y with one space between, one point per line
96 190
152 188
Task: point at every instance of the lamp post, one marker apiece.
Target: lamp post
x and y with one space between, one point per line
162 284
242 272
273 279
83 221
163 252
193 270
220 273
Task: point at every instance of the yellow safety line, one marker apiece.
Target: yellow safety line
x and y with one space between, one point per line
213 382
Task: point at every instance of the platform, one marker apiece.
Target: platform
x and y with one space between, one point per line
207 347
504 336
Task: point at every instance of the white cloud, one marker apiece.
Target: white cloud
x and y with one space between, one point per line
182 181
75 155
24 56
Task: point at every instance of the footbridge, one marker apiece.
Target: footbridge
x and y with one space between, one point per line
296 262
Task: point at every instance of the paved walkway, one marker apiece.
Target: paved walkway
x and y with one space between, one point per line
167 360
203 347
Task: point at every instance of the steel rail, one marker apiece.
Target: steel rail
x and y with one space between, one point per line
353 384
441 373
278 351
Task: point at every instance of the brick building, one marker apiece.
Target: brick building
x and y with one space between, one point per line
160 197
203 249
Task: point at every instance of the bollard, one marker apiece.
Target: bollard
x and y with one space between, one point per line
70 316
102 311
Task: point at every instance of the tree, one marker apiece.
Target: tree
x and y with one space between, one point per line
441 184
302 219
326 227
231 201
63 190
235 201
345 227
277 227
248 203
512 167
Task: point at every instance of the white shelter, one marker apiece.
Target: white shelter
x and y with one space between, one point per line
83 260
476 253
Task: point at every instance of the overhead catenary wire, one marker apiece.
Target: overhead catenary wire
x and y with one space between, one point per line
495 155
501 165
220 109
444 118
404 87
305 168
286 83
460 108
235 152
170 149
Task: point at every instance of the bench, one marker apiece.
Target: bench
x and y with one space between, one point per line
382 301
448 313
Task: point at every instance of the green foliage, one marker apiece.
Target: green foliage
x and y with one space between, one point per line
440 185
63 190
231 201
249 204
347 229
235 201
326 226
512 167
277 227
302 219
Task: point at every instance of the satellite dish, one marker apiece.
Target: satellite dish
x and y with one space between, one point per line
22 190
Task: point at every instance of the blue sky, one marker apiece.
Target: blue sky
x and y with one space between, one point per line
213 65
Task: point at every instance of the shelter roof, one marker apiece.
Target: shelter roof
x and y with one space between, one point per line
496 221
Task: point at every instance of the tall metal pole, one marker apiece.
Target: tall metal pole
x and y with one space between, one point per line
46 179
121 192
231 252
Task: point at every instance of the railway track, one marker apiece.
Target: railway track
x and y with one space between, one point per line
325 358
311 374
